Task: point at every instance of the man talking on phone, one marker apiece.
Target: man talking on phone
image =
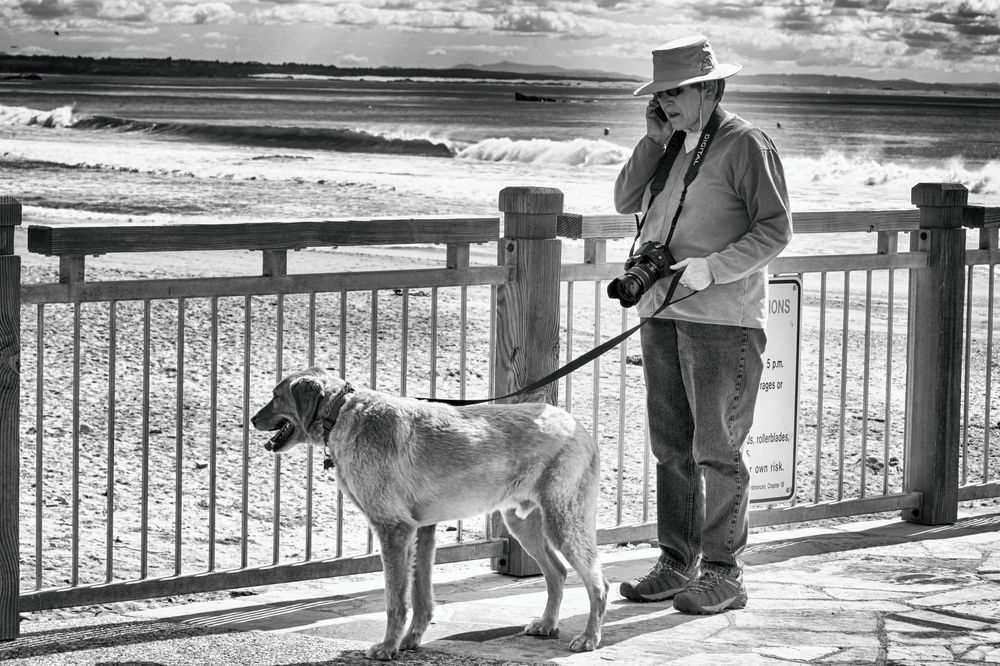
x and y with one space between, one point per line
712 190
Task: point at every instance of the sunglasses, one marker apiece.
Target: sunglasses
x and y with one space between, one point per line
673 92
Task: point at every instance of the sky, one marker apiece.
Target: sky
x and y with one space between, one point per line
934 41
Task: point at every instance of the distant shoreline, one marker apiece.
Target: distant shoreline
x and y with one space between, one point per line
13 67
178 67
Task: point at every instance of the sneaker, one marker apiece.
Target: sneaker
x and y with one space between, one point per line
712 592
662 582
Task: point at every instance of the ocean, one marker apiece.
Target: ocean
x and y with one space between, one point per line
76 149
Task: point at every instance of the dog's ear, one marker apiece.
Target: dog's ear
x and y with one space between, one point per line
307 392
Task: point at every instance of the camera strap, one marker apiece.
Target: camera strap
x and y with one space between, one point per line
666 163
579 361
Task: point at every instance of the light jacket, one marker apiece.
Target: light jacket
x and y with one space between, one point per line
735 215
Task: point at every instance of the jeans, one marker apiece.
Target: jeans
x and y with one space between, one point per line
701 388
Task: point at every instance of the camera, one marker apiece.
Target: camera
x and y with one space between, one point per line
650 262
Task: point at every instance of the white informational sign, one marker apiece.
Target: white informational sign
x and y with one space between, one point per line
770 447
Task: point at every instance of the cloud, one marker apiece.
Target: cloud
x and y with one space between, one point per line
728 11
970 19
351 60
122 10
762 34
870 5
568 24
805 18
925 39
402 17
199 14
215 36
107 14
491 49
47 9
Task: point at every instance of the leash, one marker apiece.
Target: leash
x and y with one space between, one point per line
656 185
338 403
580 360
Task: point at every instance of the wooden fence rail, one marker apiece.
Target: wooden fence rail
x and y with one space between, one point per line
528 276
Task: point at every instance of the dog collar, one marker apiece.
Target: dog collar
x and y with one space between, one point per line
331 420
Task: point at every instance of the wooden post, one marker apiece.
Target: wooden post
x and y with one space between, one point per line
10 402
934 354
527 323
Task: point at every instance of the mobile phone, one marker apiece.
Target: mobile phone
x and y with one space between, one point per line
659 113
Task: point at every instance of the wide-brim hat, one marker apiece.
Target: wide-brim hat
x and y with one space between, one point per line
685 61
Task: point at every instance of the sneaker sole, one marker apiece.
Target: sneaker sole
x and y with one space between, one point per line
738 602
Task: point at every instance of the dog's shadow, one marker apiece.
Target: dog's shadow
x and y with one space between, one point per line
624 621
479 611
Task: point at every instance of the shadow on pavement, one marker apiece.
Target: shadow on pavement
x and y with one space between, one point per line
881 535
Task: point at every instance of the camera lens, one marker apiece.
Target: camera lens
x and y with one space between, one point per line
642 270
629 288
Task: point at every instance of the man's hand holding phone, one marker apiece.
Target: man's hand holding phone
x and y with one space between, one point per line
658 127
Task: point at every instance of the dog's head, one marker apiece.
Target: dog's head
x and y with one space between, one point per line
293 413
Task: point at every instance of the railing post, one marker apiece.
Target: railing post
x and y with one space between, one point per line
527 322
934 354
10 403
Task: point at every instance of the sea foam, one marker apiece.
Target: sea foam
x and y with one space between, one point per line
23 116
836 169
575 152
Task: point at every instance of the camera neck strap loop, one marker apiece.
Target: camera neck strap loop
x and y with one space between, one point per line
666 163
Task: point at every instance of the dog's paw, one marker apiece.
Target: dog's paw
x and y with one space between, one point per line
585 643
410 642
542 627
382 652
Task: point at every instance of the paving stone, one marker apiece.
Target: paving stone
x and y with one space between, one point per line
952 549
784 591
828 605
802 653
853 655
987 610
989 568
987 654
862 637
730 659
972 593
934 637
819 620
919 654
943 621
859 594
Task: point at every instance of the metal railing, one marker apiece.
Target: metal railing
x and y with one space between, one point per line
162 374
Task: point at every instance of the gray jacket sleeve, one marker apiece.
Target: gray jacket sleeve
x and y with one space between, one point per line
763 189
633 179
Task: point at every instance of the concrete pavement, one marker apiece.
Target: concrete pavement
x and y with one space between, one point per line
882 592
